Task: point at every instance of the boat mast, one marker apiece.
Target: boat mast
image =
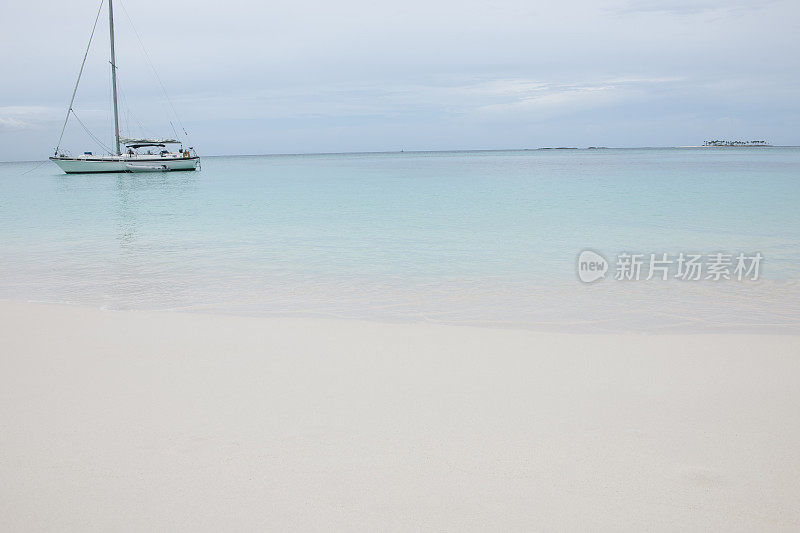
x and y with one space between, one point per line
113 74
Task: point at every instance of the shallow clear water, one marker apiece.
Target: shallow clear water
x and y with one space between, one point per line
454 237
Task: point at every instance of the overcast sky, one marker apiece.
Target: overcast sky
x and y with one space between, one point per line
309 76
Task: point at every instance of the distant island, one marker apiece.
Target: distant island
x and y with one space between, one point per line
736 143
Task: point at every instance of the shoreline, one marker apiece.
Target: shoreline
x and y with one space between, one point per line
759 308
191 421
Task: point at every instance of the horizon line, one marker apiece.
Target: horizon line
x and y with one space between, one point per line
462 150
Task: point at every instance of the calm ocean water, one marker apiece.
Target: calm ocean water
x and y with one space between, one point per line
452 237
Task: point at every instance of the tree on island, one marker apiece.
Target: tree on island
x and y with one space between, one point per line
717 142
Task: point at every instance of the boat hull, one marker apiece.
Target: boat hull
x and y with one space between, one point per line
121 164
140 167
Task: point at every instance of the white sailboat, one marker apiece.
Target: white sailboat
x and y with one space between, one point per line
140 155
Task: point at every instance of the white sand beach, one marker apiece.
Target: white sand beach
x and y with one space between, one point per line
137 420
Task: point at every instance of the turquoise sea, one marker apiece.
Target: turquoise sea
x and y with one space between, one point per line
487 238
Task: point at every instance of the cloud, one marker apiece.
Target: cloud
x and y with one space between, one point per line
443 98
13 123
689 7
24 117
530 99
28 117
550 103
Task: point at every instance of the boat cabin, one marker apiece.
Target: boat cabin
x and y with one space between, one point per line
137 148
